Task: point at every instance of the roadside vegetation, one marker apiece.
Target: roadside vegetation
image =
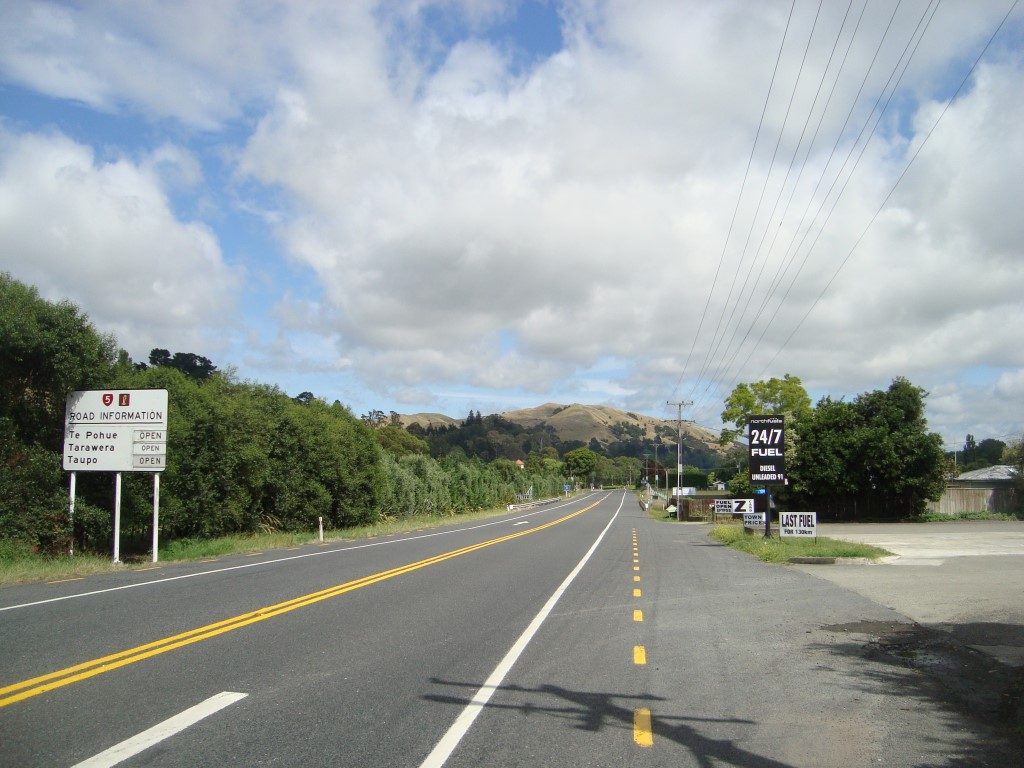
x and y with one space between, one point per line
20 564
776 550
243 458
935 517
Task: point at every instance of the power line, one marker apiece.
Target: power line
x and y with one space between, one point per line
716 340
792 251
743 298
725 245
895 185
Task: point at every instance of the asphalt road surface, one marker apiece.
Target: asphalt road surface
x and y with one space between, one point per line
964 578
580 634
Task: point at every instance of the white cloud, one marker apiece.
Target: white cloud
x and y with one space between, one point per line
103 235
472 221
583 205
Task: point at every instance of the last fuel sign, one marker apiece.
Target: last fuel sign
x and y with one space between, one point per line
767 450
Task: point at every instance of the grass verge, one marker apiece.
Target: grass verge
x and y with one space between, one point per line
935 517
775 550
20 565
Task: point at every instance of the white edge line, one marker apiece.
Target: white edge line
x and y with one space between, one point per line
444 748
172 725
283 559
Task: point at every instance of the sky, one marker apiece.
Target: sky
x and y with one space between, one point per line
460 205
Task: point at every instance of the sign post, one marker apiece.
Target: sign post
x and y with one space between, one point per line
768 456
71 513
116 431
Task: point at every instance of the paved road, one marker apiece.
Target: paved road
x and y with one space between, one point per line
965 578
585 634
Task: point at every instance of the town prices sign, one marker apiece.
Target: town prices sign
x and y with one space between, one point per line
116 431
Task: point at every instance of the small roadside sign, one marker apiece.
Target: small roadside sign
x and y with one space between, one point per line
734 507
798 524
753 520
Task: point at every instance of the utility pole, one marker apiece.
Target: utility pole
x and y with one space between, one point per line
679 451
657 481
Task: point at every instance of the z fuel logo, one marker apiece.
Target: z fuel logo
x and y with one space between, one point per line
767 450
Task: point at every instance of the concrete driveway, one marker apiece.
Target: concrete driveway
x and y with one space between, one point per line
921 543
966 578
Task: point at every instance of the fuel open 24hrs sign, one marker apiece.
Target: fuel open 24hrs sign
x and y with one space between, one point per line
768 450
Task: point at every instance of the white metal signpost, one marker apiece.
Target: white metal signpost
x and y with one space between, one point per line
117 431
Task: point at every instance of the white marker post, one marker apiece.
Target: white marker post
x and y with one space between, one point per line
117 517
321 524
71 513
156 514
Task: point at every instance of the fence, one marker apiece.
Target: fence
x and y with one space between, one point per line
956 500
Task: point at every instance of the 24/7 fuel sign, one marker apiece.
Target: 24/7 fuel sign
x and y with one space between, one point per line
767 450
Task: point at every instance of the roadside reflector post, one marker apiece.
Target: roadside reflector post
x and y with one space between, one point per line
321 525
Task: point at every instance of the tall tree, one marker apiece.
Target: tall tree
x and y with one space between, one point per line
785 396
47 351
873 457
580 463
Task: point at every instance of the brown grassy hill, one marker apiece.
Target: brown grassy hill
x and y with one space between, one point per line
585 422
430 420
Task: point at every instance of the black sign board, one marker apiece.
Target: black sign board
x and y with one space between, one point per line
768 450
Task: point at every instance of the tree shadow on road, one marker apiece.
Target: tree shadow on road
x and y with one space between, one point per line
595 710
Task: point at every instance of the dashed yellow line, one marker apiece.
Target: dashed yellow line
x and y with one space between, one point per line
636 578
639 655
642 727
638 615
636 593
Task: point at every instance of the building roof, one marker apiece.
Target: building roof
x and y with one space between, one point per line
996 472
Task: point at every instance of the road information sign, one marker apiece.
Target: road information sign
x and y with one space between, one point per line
767 450
116 431
798 524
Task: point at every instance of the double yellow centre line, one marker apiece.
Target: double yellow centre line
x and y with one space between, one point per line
33 687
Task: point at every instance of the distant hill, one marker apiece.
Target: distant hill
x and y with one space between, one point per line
427 420
617 432
608 425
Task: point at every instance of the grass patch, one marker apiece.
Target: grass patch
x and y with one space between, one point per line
935 517
32 567
19 564
776 550
198 549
